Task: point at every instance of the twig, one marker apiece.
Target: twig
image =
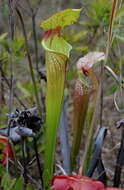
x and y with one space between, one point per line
2 95
119 162
12 29
62 169
38 161
113 74
33 18
35 42
25 9
24 165
11 19
8 84
33 10
116 104
108 45
101 93
20 167
30 62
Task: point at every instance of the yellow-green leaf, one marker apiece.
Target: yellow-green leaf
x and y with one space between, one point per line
57 44
62 19
3 36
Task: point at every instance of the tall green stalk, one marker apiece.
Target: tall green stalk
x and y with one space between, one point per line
57 54
55 89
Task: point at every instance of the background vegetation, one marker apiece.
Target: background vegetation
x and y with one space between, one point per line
23 76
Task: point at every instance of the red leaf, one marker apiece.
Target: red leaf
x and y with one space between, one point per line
75 182
112 188
6 151
52 32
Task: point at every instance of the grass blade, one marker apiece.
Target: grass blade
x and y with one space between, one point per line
96 158
102 173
